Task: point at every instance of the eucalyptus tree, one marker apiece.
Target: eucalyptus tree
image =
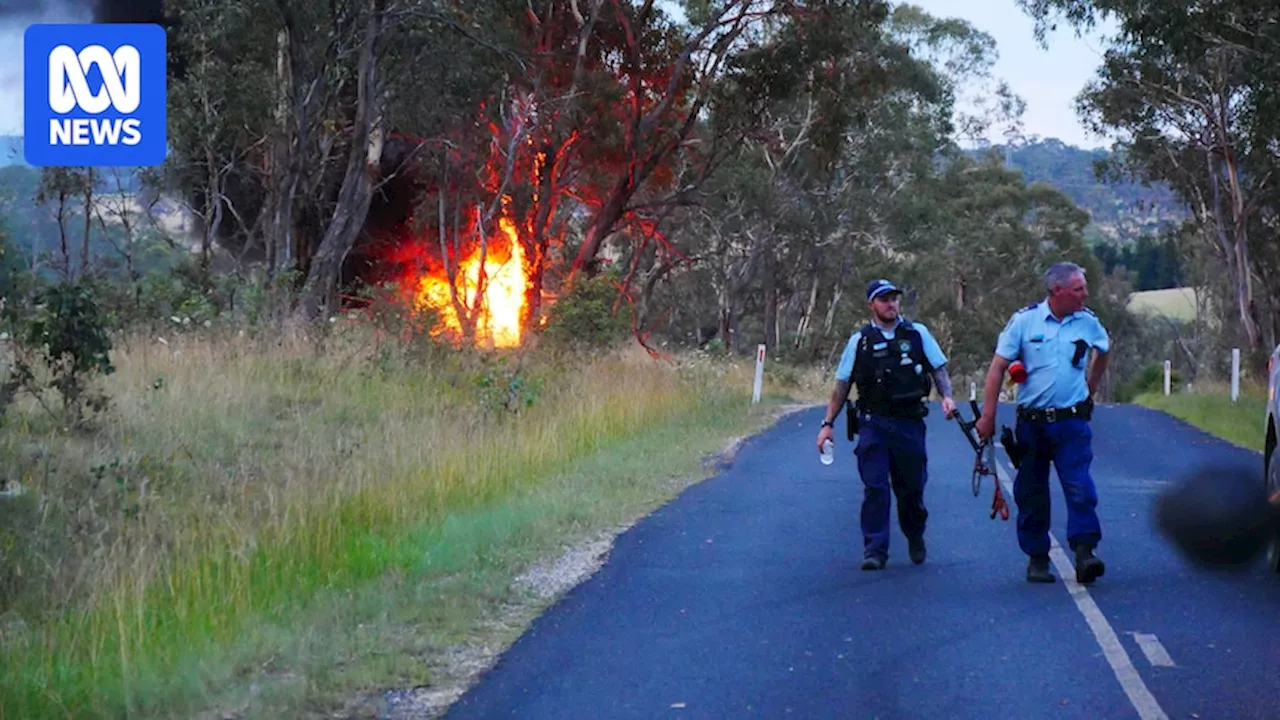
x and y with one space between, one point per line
1191 94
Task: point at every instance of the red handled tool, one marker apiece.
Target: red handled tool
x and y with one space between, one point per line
983 465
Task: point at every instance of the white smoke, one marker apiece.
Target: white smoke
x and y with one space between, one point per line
15 17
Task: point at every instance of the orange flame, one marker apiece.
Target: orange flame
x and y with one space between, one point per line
499 315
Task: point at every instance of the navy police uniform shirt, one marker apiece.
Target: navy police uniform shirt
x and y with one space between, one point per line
1047 346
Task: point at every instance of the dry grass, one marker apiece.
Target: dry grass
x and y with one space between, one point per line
235 481
1175 303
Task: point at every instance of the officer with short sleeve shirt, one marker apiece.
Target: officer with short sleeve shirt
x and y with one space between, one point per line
891 361
1053 338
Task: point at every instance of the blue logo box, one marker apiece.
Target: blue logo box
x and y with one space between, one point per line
95 95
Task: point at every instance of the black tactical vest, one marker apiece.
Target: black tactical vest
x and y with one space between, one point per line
893 377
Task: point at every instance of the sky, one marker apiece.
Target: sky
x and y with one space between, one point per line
1047 80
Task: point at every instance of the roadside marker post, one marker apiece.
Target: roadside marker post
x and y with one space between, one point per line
755 394
1235 374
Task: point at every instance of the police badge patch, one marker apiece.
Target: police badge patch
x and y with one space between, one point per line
904 346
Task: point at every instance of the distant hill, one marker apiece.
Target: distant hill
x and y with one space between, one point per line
1121 213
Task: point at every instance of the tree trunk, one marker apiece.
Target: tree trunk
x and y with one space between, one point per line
90 177
363 160
724 328
806 318
771 316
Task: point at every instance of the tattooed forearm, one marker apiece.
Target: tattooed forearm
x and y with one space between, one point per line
943 381
836 403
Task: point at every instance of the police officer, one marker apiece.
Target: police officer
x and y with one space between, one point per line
1053 338
891 361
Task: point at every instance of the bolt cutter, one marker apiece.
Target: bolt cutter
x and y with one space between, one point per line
983 465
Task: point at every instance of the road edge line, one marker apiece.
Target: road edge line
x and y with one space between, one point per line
1117 657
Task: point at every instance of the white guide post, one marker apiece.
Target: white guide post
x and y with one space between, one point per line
755 394
1235 374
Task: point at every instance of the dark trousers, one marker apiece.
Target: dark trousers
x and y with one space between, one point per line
891 454
1068 445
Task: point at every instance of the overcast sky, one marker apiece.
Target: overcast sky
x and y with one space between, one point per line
1046 79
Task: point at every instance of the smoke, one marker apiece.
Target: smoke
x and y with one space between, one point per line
128 11
16 15
29 11
101 11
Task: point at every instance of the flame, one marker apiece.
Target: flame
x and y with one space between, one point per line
500 313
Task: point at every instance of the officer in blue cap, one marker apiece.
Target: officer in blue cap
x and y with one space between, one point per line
1053 338
891 361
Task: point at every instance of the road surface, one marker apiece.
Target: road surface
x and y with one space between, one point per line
743 598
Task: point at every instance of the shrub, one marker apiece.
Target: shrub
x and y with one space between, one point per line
62 343
584 317
1150 379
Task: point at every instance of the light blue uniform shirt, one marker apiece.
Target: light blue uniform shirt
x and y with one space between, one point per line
931 349
1046 345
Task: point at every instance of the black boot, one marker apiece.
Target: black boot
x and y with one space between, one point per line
916 549
1089 567
1038 570
874 562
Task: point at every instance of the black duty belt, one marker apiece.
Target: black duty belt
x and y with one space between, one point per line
1083 411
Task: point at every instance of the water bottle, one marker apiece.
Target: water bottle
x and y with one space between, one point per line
828 452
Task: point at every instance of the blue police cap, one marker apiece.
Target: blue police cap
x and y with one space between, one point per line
880 287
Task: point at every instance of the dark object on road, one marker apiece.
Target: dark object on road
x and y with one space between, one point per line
983 465
1217 516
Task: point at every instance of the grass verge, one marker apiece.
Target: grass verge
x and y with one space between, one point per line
1210 408
261 528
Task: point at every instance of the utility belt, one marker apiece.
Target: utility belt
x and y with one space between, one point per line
911 410
1043 416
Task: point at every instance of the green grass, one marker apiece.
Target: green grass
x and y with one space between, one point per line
1211 410
269 531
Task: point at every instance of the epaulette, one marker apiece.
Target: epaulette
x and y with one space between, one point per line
1090 312
1030 307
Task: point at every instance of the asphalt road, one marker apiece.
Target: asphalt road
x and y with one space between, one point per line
743 598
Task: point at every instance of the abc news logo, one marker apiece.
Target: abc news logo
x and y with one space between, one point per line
69 89
95 95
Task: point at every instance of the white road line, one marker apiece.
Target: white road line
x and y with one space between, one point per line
1153 649
1139 695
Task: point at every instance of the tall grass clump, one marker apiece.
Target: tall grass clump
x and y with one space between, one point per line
237 477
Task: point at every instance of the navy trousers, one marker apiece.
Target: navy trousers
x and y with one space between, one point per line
1068 445
891 455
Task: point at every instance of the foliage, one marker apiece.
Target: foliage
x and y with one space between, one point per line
1121 209
1149 380
1155 263
263 484
61 342
590 316
1190 94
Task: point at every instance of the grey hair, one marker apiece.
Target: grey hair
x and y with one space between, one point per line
1060 274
